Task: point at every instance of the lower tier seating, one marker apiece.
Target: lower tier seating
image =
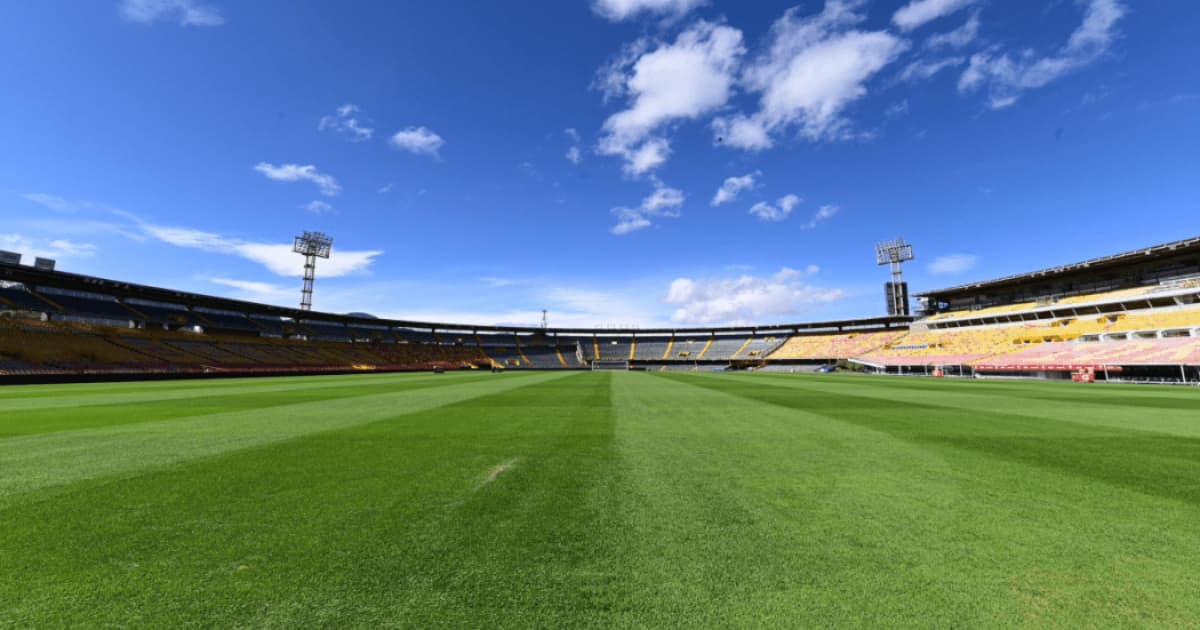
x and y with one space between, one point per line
55 347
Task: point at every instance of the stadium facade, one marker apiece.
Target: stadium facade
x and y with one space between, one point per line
1130 316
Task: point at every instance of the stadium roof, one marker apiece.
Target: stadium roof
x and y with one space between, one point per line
1191 245
77 282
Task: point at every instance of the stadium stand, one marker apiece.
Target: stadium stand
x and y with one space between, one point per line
615 348
834 346
1165 352
1140 310
226 321
688 348
652 348
19 298
89 306
759 347
723 347
161 314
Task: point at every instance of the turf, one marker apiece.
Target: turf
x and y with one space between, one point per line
599 499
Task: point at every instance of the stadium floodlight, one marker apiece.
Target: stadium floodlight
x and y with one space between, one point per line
312 245
895 253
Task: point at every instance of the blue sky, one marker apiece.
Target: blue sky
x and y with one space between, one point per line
617 162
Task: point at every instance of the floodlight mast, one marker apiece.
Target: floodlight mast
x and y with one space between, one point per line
312 245
895 253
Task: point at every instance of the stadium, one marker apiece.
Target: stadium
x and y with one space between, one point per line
597 314
537 476
1128 317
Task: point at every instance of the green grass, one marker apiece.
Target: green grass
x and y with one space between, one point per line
599 500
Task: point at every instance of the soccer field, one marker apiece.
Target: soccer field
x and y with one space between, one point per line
608 499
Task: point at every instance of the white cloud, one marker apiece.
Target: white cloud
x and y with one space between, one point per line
277 257
924 69
183 12
682 80
252 291
629 220
815 67
295 173
281 260
318 207
385 189
778 212
54 248
919 12
897 110
663 202
496 282
746 298
569 307
957 38
1005 78
574 154
953 264
419 140
823 214
53 202
345 122
617 10
652 154
732 187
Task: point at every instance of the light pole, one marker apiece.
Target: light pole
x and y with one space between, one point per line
312 245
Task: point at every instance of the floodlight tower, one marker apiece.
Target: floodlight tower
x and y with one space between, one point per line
895 253
313 245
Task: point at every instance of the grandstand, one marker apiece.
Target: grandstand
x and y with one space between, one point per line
1135 315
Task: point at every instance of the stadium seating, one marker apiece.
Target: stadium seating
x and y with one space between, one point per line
226 321
760 347
32 346
652 348
162 331
94 307
615 348
157 314
21 299
723 347
688 348
834 346
961 346
1170 351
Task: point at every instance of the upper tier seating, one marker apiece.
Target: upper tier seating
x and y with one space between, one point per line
20 299
92 307
155 314
227 321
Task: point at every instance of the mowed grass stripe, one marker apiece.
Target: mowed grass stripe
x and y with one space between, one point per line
401 522
34 462
1059 402
1022 540
85 395
218 398
752 515
1018 431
